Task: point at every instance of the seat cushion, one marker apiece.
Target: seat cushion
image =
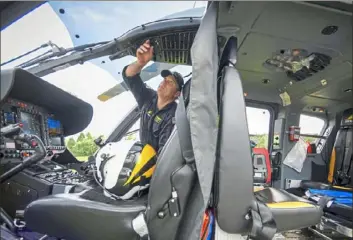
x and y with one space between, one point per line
316 185
338 220
294 215
306 184
272 195
71 217
289 211
340 210
340 203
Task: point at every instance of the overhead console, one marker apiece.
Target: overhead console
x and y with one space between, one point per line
171 40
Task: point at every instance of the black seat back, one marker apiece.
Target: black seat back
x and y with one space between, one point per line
172 175
175 196
340 169
234 180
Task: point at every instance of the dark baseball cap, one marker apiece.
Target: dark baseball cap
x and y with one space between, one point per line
179 79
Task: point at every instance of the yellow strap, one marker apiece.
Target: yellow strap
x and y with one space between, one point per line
295 204
332 166
147 174
146 155
344 188
256 189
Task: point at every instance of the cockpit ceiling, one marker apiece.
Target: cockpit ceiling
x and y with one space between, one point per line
11 11
268 28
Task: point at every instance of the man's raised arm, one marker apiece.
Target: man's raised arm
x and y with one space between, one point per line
133 69
131 74
144 54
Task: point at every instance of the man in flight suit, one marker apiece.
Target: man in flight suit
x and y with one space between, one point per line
157 107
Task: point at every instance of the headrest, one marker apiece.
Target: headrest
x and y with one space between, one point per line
347 118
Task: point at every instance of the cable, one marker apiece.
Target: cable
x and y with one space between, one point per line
106 190
29 62
60 52
44 237
25 54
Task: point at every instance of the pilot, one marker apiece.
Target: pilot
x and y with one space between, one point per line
157 107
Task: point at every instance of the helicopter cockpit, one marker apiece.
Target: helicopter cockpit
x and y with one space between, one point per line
205 183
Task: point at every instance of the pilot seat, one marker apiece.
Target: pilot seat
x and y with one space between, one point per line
279 210
174 206
88 214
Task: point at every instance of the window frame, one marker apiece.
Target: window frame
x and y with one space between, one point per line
272 110
323 130
315 116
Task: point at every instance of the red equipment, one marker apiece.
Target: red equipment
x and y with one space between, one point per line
264 152
294 133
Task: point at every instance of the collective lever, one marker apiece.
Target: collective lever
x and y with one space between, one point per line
32 140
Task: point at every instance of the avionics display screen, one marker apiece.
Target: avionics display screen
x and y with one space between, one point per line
55 141
54 127
31 124
9 117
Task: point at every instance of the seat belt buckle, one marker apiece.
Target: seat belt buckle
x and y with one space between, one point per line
173 203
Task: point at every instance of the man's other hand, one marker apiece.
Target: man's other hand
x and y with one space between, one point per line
144 53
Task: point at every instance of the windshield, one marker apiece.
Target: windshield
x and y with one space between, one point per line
69 24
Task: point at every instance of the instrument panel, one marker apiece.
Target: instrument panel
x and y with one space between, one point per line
35 120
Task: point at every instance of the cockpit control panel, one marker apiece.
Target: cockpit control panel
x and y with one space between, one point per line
35 120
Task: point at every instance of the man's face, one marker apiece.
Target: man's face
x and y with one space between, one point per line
168 88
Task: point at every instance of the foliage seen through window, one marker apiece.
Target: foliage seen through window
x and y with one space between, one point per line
83 147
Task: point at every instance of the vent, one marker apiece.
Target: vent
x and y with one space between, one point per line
171 48
175 48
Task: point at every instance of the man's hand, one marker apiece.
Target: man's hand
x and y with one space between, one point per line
144 54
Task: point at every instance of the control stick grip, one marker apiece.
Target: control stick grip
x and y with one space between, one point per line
38 155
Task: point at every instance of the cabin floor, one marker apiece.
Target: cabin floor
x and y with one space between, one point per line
304 234
278 236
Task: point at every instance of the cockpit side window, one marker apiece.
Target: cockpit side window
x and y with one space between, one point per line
133 133
311 125
259 125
